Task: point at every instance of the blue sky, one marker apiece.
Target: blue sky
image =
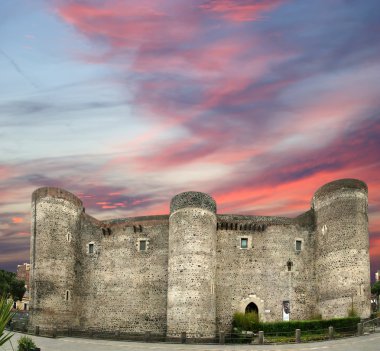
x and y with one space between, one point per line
127 103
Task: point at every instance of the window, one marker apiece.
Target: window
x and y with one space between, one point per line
67 296
142 245
289 265
244 243
298 245
90 248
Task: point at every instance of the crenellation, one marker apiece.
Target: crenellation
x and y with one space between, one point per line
193 269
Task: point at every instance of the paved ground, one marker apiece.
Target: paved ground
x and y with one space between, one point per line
363 343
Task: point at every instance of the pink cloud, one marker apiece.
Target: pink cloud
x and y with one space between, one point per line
17 220
174 155
6 172
22 234
127 24
374 246
241 10
119 204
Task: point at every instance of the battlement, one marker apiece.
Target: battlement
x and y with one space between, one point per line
193 199
348 184
57 193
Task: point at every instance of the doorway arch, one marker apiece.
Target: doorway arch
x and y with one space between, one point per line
252 308
256 301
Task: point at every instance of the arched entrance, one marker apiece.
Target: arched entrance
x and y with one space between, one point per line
254 304
252 308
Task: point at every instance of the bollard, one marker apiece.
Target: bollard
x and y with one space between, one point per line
183 338
69 331
298 335
261 337
117 334
54 332
331 332
360 329
147 336
37 330
222 337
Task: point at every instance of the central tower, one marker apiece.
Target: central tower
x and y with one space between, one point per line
192 266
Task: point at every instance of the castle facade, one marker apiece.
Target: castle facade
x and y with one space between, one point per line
190 271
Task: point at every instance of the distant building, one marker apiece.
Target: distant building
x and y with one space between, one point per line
23 273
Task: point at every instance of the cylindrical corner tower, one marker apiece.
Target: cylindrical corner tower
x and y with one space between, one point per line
342 249
192 267
54 243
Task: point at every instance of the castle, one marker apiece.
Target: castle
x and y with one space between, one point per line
190 271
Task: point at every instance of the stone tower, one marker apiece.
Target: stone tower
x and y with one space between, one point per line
342 248
192 266
55 228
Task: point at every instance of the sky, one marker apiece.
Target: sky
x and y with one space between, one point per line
126 103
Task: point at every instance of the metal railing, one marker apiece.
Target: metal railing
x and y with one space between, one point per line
371 325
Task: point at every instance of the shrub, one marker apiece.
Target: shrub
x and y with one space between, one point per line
245 321
352 312
26 343
5 317
316 317
240 322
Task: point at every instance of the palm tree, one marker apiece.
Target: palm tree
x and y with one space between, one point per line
5 317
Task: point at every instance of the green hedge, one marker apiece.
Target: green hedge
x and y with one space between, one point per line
241 323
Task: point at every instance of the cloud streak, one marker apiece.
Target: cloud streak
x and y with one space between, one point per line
258 103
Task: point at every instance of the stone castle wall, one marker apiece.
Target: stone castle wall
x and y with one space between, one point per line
188 272
260 273
125 286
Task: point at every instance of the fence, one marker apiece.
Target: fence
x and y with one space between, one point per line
371 325
220 338
236 337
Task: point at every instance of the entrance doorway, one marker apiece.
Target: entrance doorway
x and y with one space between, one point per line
252 308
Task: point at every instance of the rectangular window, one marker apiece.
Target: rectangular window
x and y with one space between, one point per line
142 245
244 243
90 248
298 245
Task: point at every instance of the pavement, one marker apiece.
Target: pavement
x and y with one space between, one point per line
363 343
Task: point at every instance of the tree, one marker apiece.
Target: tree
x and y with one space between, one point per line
5 317
376 288
17 289
11 286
